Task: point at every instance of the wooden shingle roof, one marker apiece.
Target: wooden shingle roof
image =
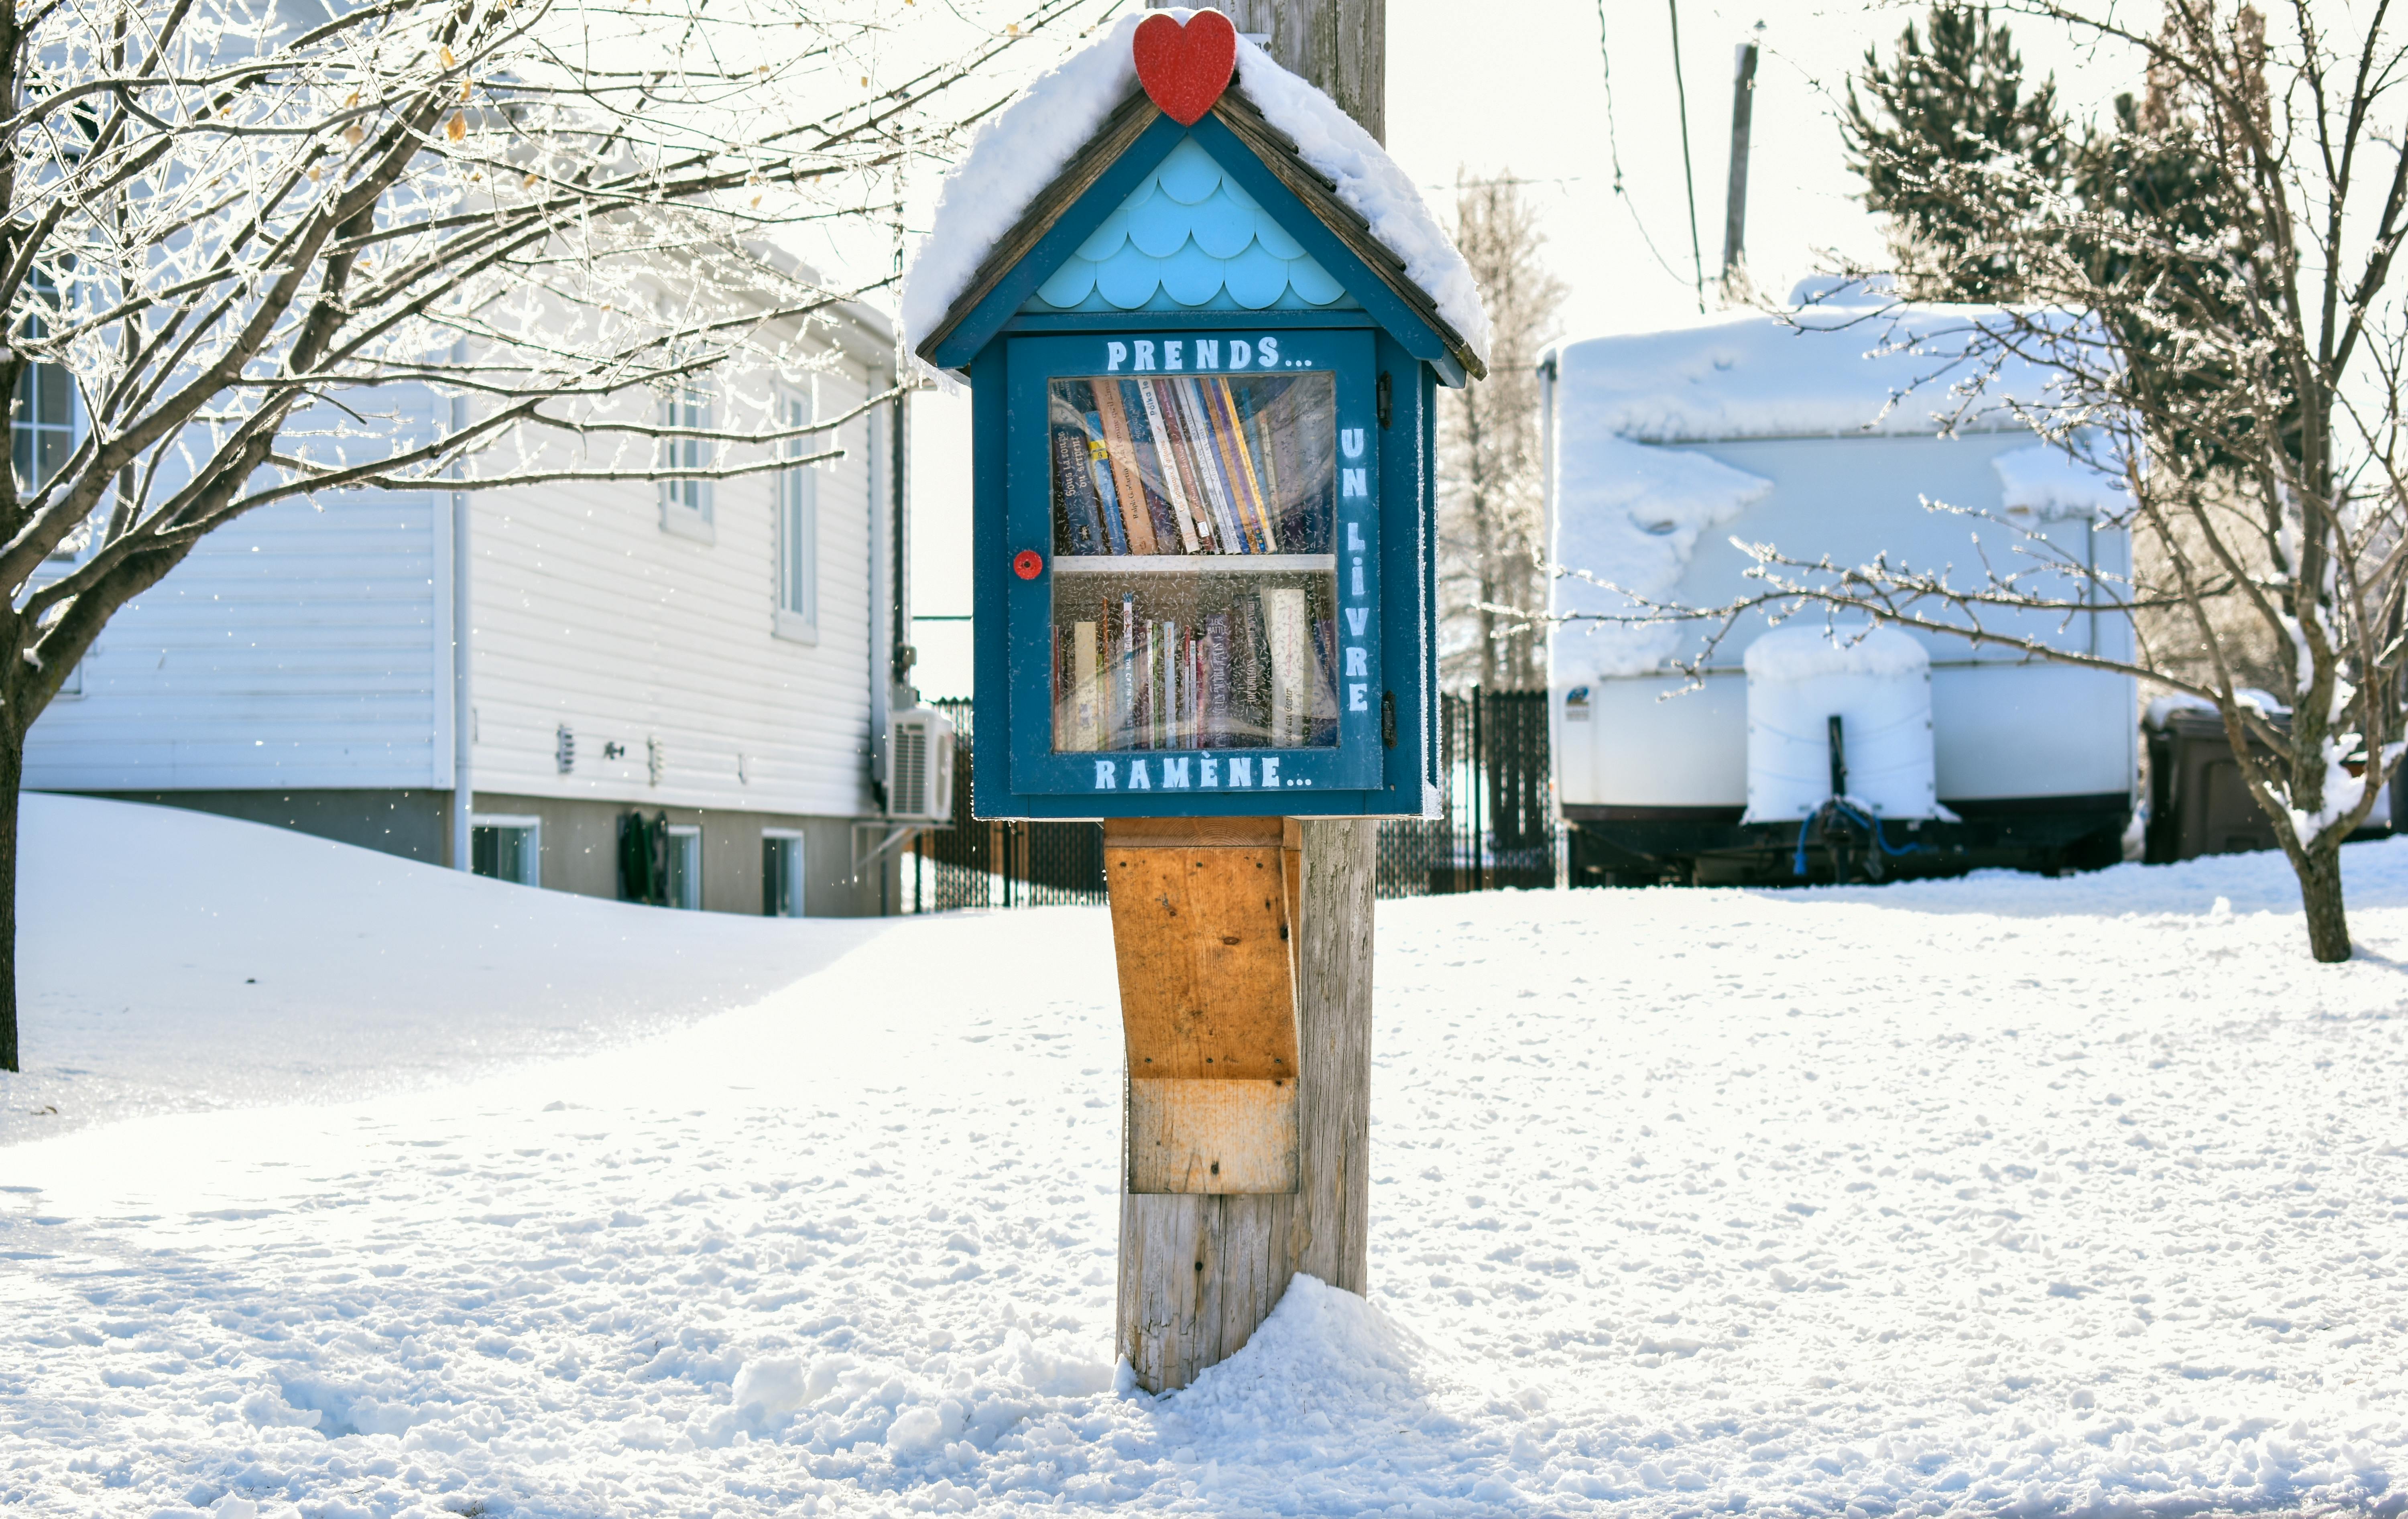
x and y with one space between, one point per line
1278 154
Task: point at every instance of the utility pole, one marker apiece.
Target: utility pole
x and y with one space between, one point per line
1200 1273
1688 173
1735 204
1338 46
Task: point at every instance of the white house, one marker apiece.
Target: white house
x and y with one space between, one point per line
717 658
1666 446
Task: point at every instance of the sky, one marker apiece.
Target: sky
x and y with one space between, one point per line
1521 90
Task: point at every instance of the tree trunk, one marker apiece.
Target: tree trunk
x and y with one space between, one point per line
12 773
2319 872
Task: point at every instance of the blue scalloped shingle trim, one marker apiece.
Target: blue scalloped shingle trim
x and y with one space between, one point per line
1189 238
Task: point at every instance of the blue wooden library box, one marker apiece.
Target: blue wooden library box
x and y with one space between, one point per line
1203 511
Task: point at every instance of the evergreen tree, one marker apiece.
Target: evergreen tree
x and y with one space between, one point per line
1950 105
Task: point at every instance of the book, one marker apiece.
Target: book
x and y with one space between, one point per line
1235 403
1215 722
1291 696
1087 696
1125 679
1211 533
1326 703
1250 703
1099 465
1128 487
1198 428
1263 436
1138 402
1079 529
1228 442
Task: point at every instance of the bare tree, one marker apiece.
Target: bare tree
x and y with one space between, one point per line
1492 527
2224 335
232 239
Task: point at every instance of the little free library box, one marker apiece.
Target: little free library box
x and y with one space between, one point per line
1203 391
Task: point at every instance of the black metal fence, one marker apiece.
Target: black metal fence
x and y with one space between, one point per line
974 864
1498 829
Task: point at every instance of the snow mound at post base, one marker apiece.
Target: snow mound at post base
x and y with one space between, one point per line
1322 1347
1026 144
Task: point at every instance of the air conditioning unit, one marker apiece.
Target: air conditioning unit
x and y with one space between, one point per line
920 765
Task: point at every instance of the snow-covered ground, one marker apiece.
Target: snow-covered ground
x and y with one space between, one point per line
399 1193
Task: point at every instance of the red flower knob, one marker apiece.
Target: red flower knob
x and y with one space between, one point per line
1029 564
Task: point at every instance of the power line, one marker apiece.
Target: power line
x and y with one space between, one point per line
1613 152
1688 176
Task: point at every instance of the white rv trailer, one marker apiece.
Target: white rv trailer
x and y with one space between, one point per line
1821 435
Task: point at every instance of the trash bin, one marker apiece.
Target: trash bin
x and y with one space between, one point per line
2198 800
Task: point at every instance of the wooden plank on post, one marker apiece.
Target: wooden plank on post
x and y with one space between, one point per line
1202 932
1212 1136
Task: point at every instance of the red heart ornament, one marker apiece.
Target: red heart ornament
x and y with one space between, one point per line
1184 68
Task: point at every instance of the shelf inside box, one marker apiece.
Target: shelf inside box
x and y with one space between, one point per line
1195 564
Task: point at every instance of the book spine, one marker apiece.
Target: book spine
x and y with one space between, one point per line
1125 679
1252 691
1154 448
1269 441
1100 468
1216 681
1196 687
1128 488
1169 725
1191 468
1284 624
1246 436
1226 452
1081 529
1163 410
1199 427
1324 681
1086 696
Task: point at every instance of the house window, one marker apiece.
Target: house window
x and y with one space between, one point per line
506 847
41 426
798 530
686 504
685 867
781 873
42 417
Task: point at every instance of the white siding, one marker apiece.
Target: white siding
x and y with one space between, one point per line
295 647
589 613
2005 727
300 648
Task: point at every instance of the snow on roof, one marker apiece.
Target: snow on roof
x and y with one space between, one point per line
1018 152
1806 651
1629 516
2046 479
1820 371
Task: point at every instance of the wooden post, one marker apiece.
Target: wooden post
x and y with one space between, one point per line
1245 951
1237 1178
1338 46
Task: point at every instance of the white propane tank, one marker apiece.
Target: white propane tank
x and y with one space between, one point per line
1878 683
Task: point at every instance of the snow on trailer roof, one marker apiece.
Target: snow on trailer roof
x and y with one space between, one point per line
1629 516
1818 370
1021 151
